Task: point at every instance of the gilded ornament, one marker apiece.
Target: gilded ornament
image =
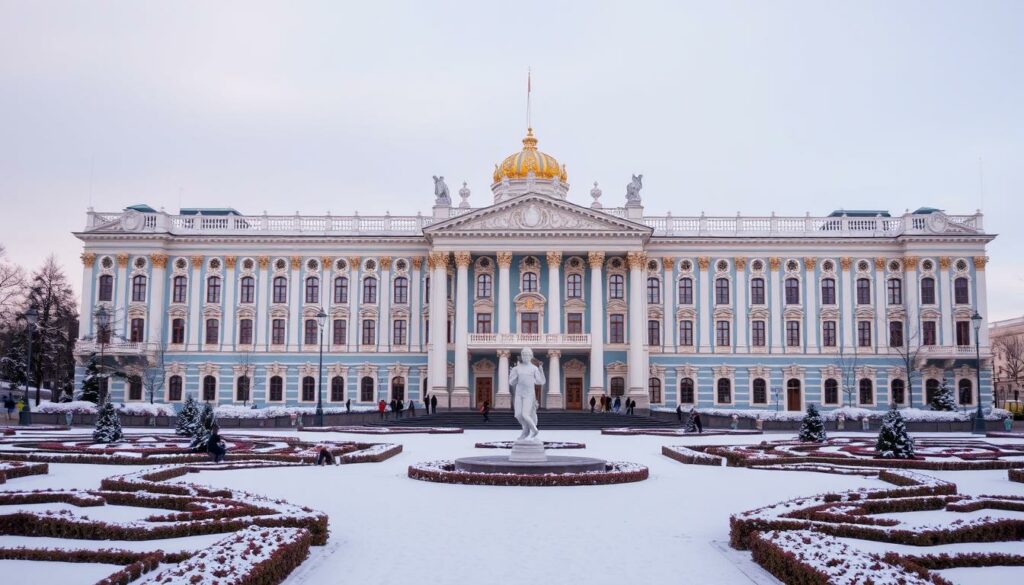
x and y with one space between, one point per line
229 261
979 262
417 262
945 262
809 262
529 304
774 263
326 262
385 262
88 259
703 262
740 262
910 263
879 263
438 259
158 260
504 259
463 259
845 262
554 259
264 261
354 262
636 260
668 262
596 259
530 160
296 262
122 260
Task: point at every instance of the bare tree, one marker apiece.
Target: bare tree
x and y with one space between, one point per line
846 361
1011 349
155 371
12 287
908 348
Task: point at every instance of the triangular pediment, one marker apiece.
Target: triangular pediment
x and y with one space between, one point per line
533 214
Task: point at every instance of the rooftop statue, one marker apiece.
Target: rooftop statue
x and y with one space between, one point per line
633 189
441 196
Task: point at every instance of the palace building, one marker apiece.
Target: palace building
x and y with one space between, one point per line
854 307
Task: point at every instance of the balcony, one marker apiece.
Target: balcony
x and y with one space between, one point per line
950 353
531 340
86 347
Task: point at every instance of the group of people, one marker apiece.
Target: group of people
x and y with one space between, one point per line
607 404
398 408
11 406
692 421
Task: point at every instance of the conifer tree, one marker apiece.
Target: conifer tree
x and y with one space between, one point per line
894 441
812 429
188 418
108 425
943 399
204 423
91 382
689 425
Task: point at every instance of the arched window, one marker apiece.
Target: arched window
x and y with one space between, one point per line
276 389
686 391
831 391
341 290
792 291
174 389
961 295
242 389
618 386
212 331
653 291
760 388
401 287
134 388
209 388
828 291
308 389
616 286
927 291
107 287
280 289
179 290
337 389
178 331
529 282
247 290
654 387
310 331
722 291
724 387
931 390
370 290
483 286
895 291
966 391
863 291
213 289
757 291
867 391
139 288
312 289
899 391
366 393
398 388
574 286
686 291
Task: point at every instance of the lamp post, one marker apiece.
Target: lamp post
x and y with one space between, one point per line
321 319
31 316
979 421
102 332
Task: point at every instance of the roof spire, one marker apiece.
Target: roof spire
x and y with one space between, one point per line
529 88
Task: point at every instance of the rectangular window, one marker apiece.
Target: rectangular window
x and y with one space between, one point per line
863 291
864 333
247 290
895 291
245 332
483 323
398 334
616 286
963 332
530 323
928 291
653 332
310 331
722 338
138 289
137 333
686 291
828 291
212 330
213 289
653 291
370 291
928 336
574 323
896 334
178 331
722 291
401 290
757 333
339 333
828 333
179 289
574 286
757 291
277 332
792 333
340 290
369 332
961 293
616 329
686 333
106 287
792 287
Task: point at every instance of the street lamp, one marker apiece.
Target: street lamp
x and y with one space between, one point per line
102 336
321 320
979 421
31 316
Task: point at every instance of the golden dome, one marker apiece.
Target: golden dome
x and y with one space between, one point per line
518 165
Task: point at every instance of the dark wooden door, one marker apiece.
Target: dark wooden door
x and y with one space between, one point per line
793 399
483 391
574 393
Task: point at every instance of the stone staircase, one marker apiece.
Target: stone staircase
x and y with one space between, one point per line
547 419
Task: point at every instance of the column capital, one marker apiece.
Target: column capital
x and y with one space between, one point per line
385 262
326 262
463 259
197 261
122 260
909 263
596 259
944 262
417 262
554 259
504 353
504 259
668 262
88 259
229 261
296 262
703 262
158 259
554 353
845 262
636 260
809 262
880 263
437 260
740 262
980 262
264 261
774 263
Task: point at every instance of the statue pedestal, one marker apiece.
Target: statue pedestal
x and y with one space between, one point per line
503 401
528 451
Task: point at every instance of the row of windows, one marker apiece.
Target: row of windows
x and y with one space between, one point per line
830 391
339 331
275 389
829 336
791 291
247 289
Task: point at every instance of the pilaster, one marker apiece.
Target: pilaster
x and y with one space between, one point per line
554 399
384 314
156 286
227 329
810 326
776 322
460 394
415 308
637 323
945 284
742 329
86 312
355 288
196 322
504 292
554 304
596 260
121 296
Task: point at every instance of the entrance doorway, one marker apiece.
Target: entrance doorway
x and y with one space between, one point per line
483 391
793 395
398 388
574 393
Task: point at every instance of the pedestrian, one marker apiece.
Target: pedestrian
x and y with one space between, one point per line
486 409
215 445
399 405
593 403
412 408
630 405
20 405
9 406
382 406
607 403
679 413
433 404
348 406
324 456
617 405
391 405
696 421
426 403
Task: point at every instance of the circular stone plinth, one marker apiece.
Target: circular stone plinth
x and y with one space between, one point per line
554 464
444 471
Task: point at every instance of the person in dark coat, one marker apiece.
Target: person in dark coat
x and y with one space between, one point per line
215 445
607 403
696 421
617 404
486 410
593 403
679 413
324 456
631 409
433 404
9 406
399 405
412 408
348 405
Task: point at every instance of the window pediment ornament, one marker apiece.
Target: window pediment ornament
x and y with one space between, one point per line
274 369
616 306
933 372
209 369
484 368
793 371
964 371
686 371
211 311
368 312
793 312
574 367
930 313
829 312
246 312
896 312
307 369
175 369
616 368
759 312
574 265
339 311
686 312
655 312
962 312
177 311
865 372
657 371
279 312
578 304
831 371
760 371
529 301
897 373
724 371
485 303
723 312
367 369
137 311
865 312
336 370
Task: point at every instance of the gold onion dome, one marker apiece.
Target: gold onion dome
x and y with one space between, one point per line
520 164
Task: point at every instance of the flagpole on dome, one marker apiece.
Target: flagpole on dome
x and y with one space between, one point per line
529 74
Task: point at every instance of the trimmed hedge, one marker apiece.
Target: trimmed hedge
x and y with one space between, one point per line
444 472
690 456
16 469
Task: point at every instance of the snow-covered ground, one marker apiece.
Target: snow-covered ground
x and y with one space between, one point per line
387 528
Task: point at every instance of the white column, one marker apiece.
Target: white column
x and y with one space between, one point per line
414 305
881 332
86 318
911 288
261 320
460 394
848 308
326 300
776 290
504 292
504 396
555 379
554 305
742 327
227 326
355 288
596 323
195 304
121 298
438 325
157 285
384 315
981 300
945 283
810 332
668 336
705 326
295 300
637 328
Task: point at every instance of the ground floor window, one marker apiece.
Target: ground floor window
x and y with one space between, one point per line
308 388
209 388
899 391
366 391
134 388
966 391
931 390
654 387
618 386
398 388
831 391
686 391
242 389
724 387
760 391
867 391
276 389
174 389
337 389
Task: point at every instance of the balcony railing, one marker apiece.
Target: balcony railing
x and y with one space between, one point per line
85 347
532 340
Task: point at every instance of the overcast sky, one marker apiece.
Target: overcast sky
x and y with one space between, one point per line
329 106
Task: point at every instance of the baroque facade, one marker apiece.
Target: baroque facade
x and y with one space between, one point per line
858 308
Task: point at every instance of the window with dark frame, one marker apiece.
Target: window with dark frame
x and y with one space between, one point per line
686 291
212 331
928 333
276 389
309 332
616 328
792 333
721 291
927 291
398 332
341 290
106 288
963 333
370 290
280 293
574 323
616 286
828 291
894 290
653 291
867 391
722 338
483 322
895 333
757 291
178 331
308 389
483 286
831 391
401 290
137 330
369 332
339 333
828 333
174 389
653 332
686 394
213 289
574 286
139 289
179 289
245 331
529 323
961 291
760 391
864 333
337 389
724 394
863 291
686 333
792 286
277 332
313 290
247 290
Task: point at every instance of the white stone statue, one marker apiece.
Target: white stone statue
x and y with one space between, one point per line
633 189
523 378
441 196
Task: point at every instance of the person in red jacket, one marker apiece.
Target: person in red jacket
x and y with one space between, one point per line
382 406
